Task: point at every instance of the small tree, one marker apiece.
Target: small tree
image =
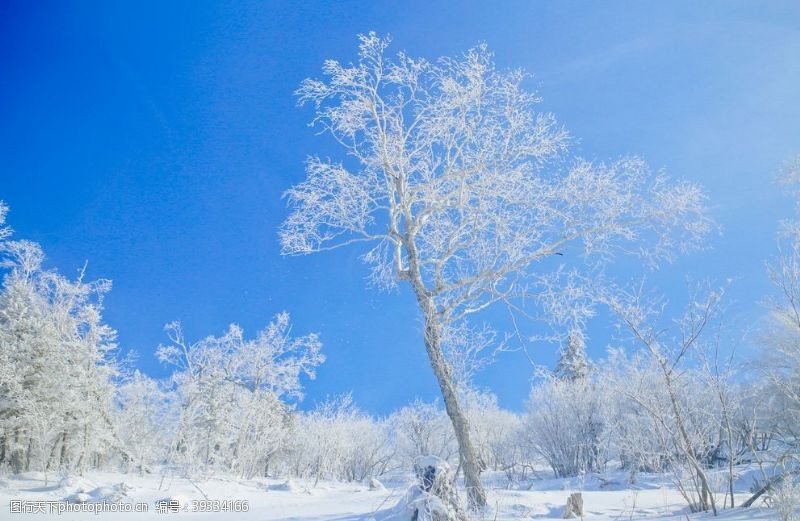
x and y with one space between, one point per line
336 440
232 414
462 191
565 424
678 414
144 421
781 341
422 429
572 363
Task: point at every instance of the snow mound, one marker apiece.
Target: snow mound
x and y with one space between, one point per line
426 500
68 482
417 505
103 492
108 494
374 484
80 497
73 485
289 485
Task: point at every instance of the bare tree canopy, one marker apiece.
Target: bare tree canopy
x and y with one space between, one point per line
452 158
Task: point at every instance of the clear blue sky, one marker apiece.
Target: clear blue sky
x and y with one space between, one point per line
154 139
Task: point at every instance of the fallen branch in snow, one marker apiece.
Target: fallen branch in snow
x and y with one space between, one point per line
769 485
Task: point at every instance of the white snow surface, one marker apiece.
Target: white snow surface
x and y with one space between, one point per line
606 497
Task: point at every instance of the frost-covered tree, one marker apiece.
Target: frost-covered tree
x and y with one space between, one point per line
640 421
494 430
572 363
5 231
462 190
782 339
632 434
233 413
145 418
721 378
780 359
665 387
56 367
336 440
422 429
565 424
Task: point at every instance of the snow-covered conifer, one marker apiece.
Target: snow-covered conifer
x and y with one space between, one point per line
572 362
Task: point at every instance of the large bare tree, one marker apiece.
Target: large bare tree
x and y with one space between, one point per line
463 191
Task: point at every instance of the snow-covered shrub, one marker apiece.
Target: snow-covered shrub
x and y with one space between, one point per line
785 499
233 417
418 505
422 429
780 361
145 419
668 378
495 432
564 424
641 418
634 437
337 441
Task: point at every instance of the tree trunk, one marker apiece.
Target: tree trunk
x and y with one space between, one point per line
468 461
769 485
706 494
29 455
63 457
16 453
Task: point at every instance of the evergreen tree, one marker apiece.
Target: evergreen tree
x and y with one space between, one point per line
572 363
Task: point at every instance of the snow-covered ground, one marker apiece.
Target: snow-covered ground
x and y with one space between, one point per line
610 498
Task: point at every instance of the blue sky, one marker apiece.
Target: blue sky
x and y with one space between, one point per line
154 139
